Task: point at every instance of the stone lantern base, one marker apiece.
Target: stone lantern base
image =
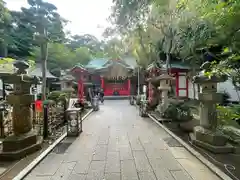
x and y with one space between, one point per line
17 147
212 141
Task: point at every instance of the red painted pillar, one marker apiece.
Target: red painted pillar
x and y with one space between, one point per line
129 87
80 90
102 82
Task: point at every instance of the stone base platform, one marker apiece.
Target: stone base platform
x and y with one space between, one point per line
17 147
227 148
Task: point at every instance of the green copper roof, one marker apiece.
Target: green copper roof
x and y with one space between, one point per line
178 66
97 63
101 63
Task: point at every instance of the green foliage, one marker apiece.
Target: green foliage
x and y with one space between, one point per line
178 112
44 19
183 27
82 55
57 96
59 55
228 115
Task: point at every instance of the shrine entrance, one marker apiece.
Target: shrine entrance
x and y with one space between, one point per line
117 86
116 79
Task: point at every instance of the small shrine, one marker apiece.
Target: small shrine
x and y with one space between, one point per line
37 71
179 72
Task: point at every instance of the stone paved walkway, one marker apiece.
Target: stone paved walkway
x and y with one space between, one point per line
119 145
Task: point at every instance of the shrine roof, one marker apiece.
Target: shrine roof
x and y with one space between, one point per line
97 63
37 71
78 66
175 65
102 63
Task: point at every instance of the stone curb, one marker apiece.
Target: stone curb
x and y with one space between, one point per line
37 160
207 163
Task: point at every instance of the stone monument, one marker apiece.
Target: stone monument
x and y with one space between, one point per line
207 135
23 140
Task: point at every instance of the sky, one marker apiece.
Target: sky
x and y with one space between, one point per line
85 16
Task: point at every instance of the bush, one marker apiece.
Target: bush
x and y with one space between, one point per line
57 96
178 112
228 115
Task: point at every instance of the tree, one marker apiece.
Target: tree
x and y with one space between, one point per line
47 24
5 22
82 55
60 56
22 36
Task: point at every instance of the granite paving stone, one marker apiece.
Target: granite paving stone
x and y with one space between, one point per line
117 144
141 161
49 166
100 152
96 170
147 176
125 153
75 176
113 162
179 175
64 171
128 170
82 166
167 164
104 137
163 174
112 176
135 144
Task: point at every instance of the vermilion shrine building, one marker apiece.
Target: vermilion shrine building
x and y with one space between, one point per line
179 71
114 76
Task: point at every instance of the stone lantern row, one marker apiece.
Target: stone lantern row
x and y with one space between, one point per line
206 134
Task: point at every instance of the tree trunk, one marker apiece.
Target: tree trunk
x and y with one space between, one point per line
3 49
142 45
44 69
168 56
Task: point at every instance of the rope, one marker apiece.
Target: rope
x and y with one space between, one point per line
228 167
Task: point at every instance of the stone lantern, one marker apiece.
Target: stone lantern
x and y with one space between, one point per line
67 82
24 139
206 135
165 80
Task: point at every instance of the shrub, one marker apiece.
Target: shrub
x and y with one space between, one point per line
57 96
228 115
178 112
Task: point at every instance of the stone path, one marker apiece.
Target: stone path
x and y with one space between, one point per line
119 145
